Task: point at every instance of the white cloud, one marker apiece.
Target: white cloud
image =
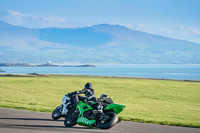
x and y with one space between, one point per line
128 25
21 19
186 30
144 27
15 13
54 19
165 30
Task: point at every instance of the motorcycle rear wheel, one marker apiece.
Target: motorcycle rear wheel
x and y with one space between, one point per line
113 118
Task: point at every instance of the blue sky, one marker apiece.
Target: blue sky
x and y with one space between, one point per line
171 18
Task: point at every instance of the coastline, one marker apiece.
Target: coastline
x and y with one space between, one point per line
41 65
175 72
65 75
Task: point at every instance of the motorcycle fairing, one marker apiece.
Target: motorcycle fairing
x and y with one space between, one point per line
117 108
82 107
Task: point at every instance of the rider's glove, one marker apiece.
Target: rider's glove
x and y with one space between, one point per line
78 92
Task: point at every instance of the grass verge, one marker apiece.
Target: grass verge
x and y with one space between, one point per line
150 101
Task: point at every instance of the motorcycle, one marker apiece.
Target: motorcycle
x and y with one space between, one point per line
86 115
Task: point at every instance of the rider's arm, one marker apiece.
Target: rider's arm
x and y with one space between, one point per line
76 92
81 92
93 93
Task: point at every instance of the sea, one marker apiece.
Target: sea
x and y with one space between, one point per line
166 71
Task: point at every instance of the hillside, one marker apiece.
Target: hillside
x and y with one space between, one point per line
102 43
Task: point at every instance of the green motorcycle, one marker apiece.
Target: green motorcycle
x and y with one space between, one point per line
85 115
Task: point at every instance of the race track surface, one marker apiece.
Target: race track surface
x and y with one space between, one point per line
19 121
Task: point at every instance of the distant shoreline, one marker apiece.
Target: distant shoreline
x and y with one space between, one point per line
179 72
41 65
48 75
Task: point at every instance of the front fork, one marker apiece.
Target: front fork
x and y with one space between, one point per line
60 108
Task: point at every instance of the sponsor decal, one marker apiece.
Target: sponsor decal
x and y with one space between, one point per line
85 121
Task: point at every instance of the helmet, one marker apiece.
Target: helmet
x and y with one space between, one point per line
104 95
88 86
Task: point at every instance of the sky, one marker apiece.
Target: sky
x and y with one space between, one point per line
179 19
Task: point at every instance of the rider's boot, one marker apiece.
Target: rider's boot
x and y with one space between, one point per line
65 110
66 102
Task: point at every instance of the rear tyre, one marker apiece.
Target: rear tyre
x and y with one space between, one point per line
57 113
113 118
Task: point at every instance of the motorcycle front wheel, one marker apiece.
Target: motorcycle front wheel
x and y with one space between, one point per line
57 113
112 120
71 118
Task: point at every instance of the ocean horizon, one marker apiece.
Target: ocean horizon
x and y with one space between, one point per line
159 71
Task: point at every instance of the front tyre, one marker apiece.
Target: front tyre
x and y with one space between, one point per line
57 113
113 118
71 119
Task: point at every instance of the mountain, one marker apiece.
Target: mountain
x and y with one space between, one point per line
102 43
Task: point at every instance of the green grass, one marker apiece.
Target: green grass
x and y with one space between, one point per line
150 101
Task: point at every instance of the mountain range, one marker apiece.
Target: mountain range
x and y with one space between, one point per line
101 43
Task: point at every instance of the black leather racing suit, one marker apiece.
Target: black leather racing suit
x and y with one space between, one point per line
89 95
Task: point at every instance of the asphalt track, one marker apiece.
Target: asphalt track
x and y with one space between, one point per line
19 121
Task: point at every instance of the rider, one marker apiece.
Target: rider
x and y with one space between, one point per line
89 96
105 100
